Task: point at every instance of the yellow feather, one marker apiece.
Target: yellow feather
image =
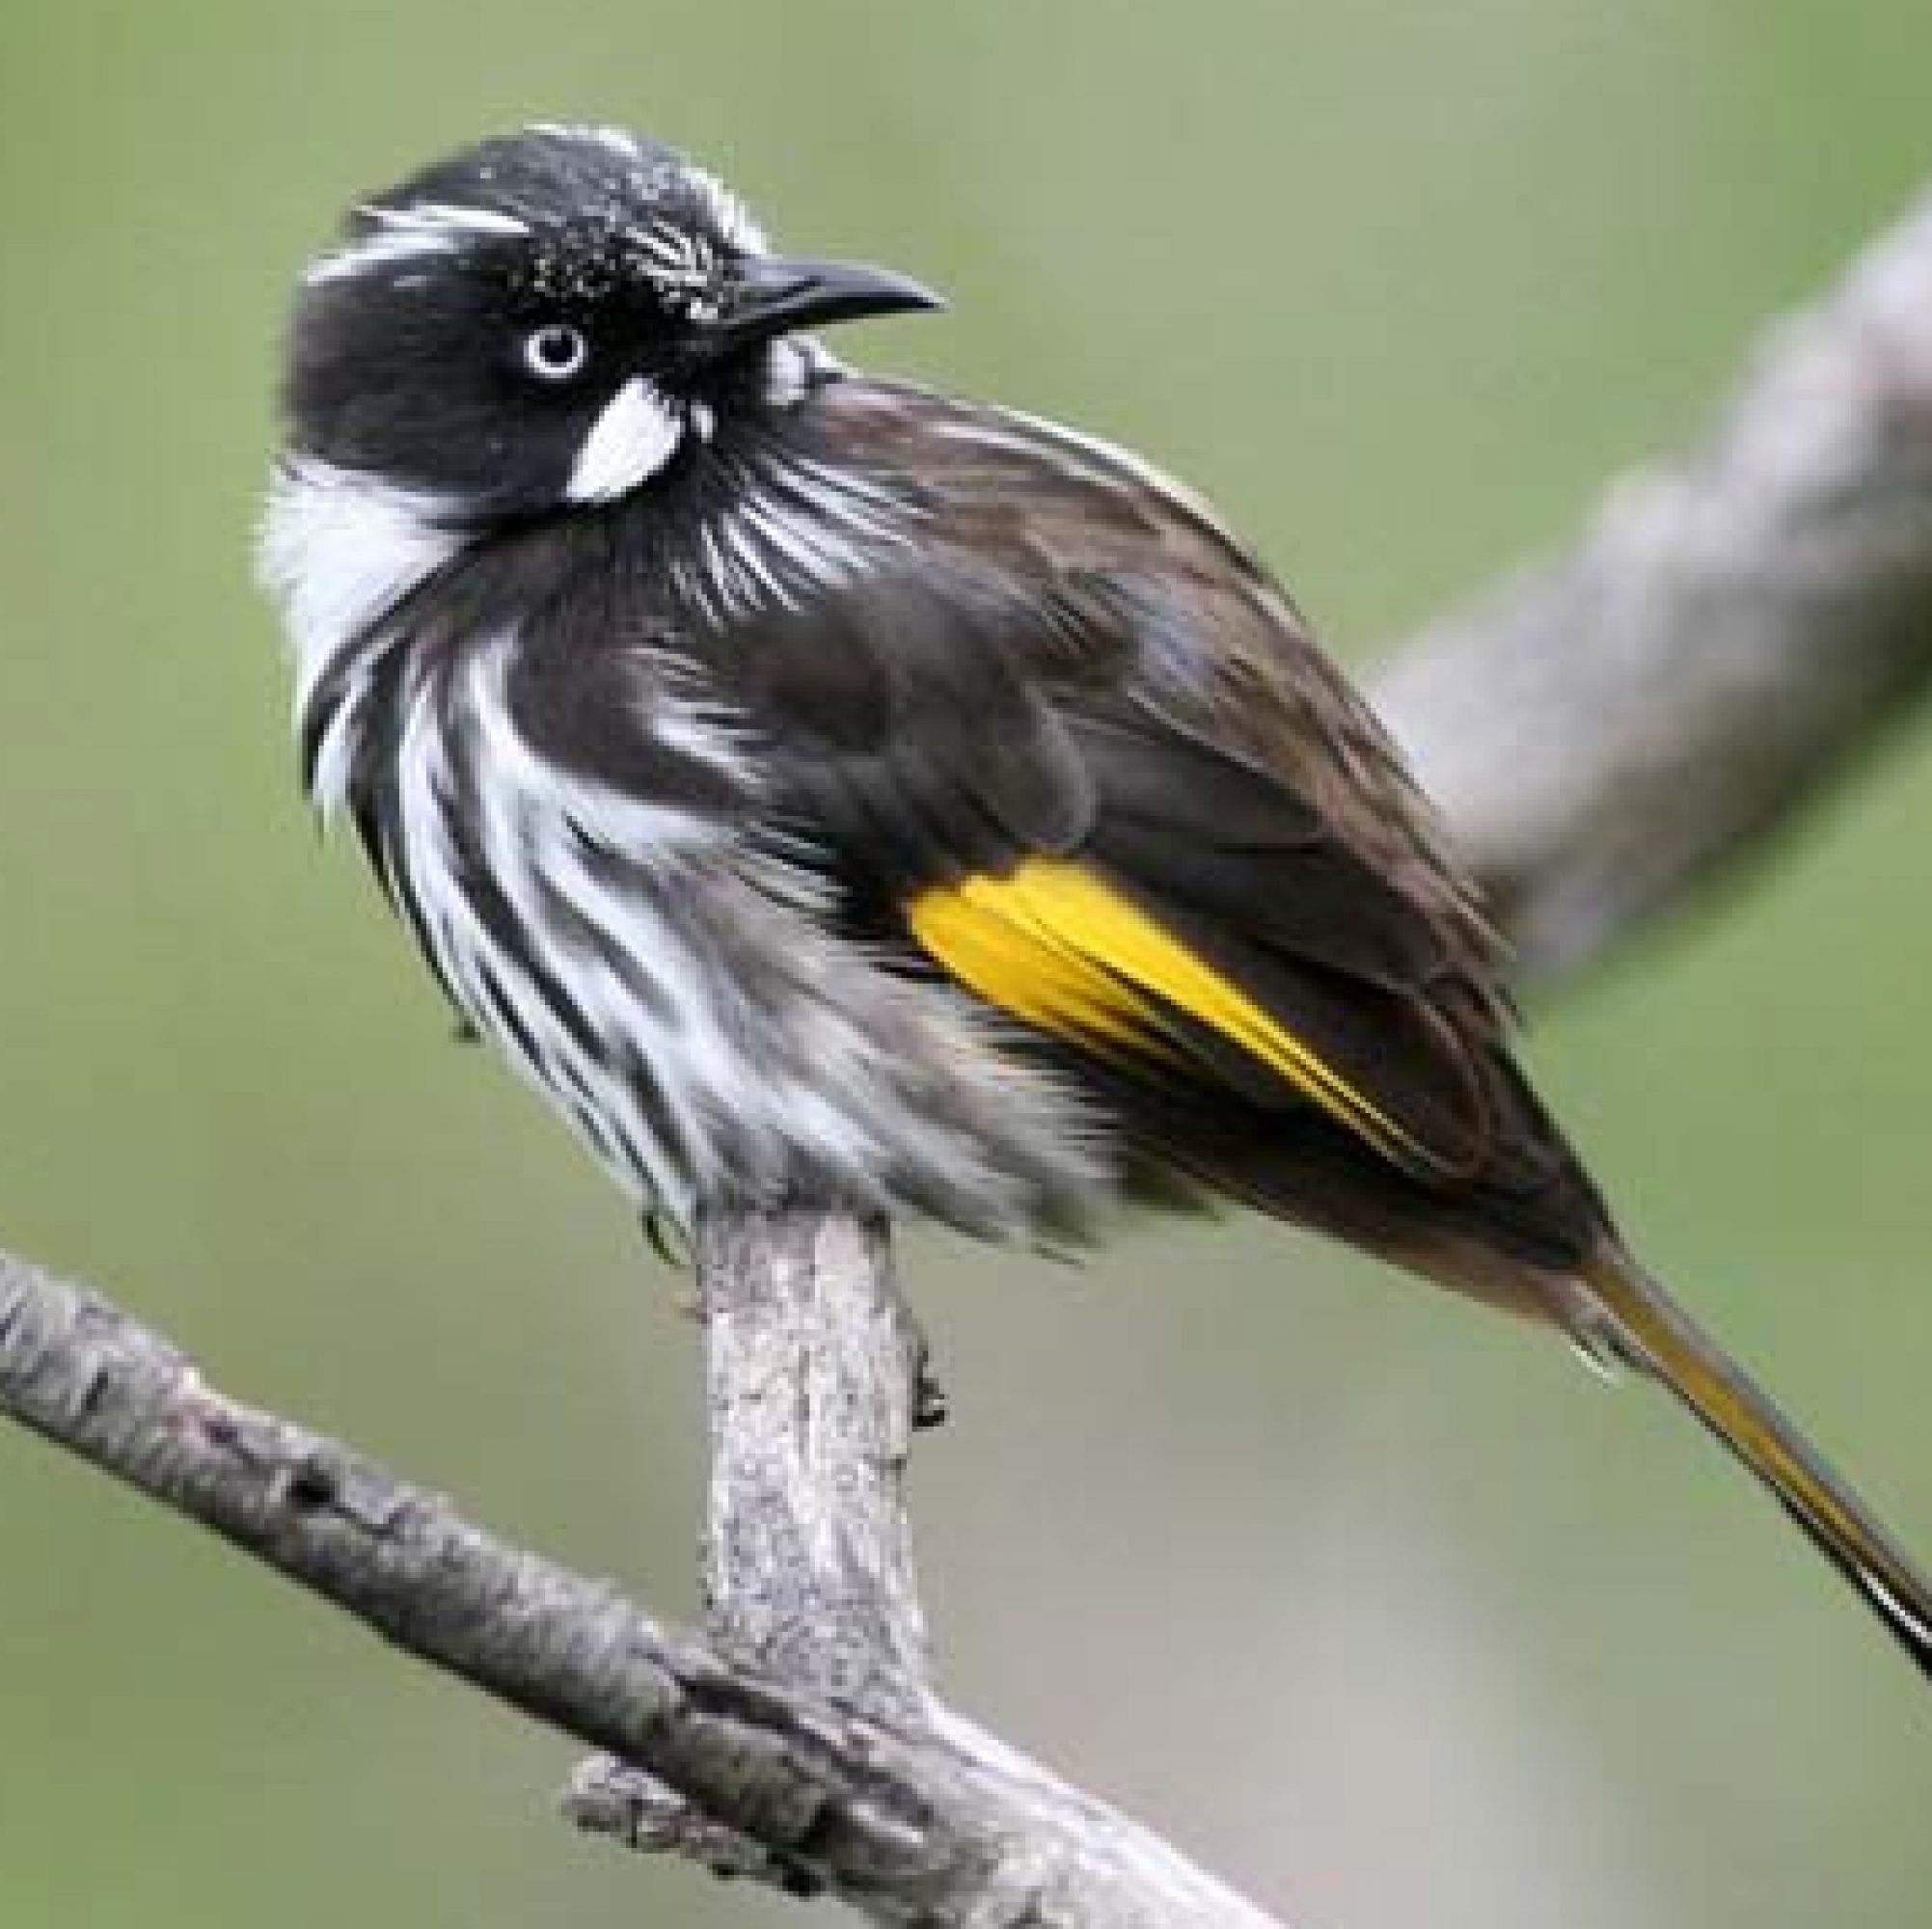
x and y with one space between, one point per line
1061 949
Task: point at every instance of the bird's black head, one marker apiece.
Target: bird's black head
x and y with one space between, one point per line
551 318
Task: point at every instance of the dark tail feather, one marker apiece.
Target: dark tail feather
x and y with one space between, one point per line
1660 1338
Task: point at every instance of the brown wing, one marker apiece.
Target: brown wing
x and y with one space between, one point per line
1079 753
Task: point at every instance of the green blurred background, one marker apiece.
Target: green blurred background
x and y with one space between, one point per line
1382 1608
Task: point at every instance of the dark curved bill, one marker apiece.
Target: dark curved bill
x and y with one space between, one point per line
772 294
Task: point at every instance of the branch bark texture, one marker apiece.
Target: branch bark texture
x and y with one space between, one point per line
817 1382
911 1818
815 1369
1601 732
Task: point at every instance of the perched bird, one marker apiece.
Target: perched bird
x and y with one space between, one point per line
825 790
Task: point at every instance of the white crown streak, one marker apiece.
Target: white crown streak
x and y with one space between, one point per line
445 217
385 250
410 233
613 139
733 219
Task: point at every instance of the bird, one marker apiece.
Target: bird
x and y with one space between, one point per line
826 791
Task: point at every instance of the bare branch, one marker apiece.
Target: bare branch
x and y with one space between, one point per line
1610 727
912 1822
817 1376
815 1370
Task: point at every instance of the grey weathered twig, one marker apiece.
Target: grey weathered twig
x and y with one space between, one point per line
1607 729
815 1367
1602 731
910 1817
817 1379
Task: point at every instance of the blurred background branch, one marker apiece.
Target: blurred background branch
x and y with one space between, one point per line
1611 728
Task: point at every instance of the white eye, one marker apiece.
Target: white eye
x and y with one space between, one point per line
556 352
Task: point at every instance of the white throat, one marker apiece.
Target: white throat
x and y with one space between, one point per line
338 551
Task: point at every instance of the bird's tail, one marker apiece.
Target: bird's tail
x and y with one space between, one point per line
1650 1328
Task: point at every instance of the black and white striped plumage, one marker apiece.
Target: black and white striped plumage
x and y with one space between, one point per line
652 764
825 790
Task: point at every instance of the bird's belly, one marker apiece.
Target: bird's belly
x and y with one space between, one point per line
704 1031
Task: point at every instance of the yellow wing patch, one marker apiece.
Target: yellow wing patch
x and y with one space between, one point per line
1057 947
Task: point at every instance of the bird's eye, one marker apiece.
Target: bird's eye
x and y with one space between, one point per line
556 352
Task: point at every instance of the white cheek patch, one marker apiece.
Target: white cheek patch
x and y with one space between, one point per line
637 434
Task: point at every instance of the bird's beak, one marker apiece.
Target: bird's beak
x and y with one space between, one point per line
770 294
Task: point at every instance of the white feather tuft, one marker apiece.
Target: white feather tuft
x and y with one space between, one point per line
376 251
410 233
729 215
638 432
444 217
615 138
338 551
